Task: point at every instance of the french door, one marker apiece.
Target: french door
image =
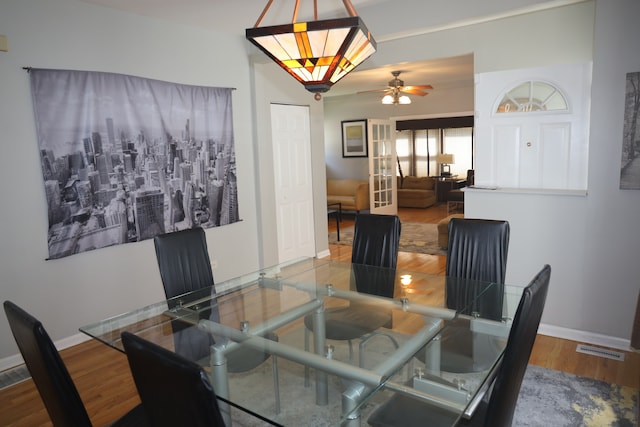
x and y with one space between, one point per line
382 166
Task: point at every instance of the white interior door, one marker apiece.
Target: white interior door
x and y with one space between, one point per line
381 140
291 138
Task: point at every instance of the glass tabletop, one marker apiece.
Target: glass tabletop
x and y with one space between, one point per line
311 317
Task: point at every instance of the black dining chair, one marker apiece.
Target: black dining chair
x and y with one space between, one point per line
496 409
477 251
174 391
183 259
375 244
50 374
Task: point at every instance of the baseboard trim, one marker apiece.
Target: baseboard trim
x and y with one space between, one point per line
323 254
16 359
585 337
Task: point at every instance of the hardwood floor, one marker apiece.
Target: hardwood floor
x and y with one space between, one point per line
103 379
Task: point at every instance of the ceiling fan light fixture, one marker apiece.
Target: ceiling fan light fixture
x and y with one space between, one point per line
395 99
395 92
316 53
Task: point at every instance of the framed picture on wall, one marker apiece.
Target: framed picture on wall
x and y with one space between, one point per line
354 138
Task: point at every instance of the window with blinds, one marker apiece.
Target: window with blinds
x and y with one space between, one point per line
418 149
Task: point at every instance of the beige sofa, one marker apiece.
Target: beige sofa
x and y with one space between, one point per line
416 192
352 193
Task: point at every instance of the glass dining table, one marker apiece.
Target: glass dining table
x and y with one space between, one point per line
319 381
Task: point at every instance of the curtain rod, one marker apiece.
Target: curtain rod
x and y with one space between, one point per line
28 69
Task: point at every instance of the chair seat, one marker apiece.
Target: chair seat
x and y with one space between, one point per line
246 358
349 323
134 418
464 351
401 410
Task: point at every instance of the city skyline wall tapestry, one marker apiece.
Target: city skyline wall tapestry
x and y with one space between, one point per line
630 166
126 158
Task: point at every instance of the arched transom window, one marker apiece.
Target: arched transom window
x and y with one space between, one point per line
532 96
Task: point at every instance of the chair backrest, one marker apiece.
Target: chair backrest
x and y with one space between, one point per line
375 240
502 402
477 250
471 177
49 373
184 261
174 391
183 258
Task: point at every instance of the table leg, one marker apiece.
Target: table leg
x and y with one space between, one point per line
220 381
319 343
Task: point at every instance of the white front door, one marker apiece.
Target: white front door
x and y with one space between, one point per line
532 127
381 140
290 133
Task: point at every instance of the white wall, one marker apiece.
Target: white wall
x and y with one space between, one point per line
274 85
66 34
591 242
562 35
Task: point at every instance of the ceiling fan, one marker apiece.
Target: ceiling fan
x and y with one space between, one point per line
394 92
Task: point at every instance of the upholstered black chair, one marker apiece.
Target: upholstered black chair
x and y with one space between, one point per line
478 251
375 244
498 406
50 375
185 266
174 391
183 260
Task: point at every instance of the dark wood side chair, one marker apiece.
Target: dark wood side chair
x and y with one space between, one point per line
498 406
50 375
174 391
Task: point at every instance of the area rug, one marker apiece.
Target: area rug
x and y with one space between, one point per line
554 398
415 237
548 398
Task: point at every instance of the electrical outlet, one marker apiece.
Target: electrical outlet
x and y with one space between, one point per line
214 264
4 47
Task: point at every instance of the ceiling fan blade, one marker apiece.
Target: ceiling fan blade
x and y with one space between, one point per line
427 87
374 91
413 91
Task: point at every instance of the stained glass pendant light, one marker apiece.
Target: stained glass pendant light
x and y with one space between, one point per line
316 53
